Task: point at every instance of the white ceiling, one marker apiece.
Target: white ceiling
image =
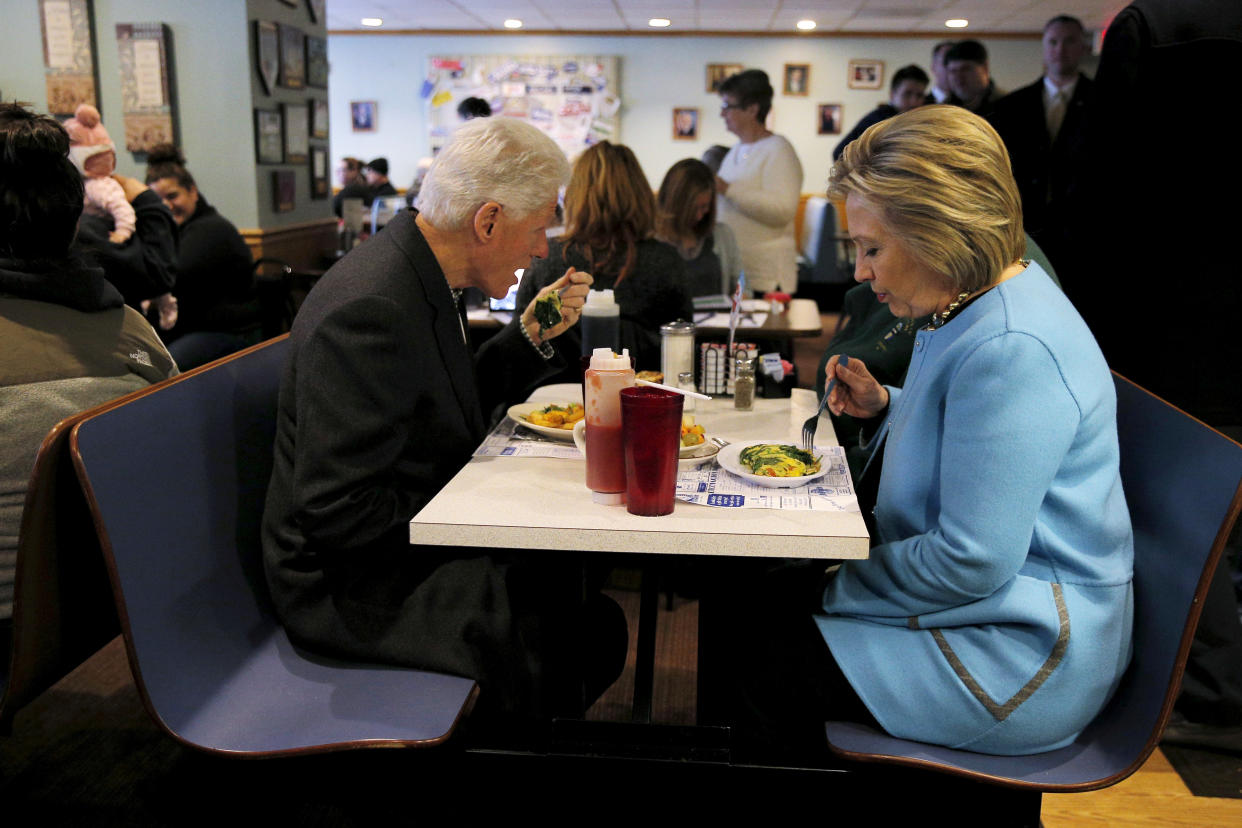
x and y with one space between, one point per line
773 16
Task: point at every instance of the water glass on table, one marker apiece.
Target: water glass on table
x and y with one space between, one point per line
651 432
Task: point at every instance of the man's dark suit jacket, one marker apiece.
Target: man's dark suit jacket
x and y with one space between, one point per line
1046 171
381 403
1042 167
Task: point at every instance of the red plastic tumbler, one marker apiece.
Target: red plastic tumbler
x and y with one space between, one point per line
651 431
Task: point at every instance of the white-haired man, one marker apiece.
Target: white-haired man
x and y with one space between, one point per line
382 403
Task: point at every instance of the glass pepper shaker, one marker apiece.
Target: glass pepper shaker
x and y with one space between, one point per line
744 384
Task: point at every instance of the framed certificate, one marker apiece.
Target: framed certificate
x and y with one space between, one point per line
319 172
269 147
292 57
297 132
319 118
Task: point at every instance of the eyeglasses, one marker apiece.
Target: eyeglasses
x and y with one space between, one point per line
726 107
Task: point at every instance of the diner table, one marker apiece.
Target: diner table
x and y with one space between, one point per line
542 503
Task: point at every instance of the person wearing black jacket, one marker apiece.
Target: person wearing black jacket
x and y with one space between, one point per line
1168 319
1044 127
219 312
376 174
906 91
145 266
353 185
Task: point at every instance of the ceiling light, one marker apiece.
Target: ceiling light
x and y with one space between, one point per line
659 22
806 25
373 21
513 23
957 23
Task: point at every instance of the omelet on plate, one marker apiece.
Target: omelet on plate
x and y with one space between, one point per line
772 460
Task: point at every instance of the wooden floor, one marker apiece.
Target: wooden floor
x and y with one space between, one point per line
1155 795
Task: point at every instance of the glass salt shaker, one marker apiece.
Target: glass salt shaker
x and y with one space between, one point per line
685 381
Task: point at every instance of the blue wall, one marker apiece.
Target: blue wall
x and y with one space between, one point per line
213 74
657 74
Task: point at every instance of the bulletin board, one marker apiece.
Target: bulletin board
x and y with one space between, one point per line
575 99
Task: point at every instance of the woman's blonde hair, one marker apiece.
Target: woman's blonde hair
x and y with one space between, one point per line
609 208
940 179
684 182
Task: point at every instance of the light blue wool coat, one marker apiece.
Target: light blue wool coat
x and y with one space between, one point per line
994 613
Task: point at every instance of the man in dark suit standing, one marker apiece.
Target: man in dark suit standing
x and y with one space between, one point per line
970 79
939 91
382 403
1044 127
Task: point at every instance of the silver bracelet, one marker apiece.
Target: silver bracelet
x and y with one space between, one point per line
545 350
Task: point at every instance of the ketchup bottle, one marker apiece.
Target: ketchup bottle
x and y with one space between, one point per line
605 460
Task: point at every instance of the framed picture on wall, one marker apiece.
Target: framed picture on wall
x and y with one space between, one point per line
297 132
797 79
267 50
685 123
292 57
718 72
830 119
866 74
319 172
68 54
362 115
269 147
317 62
284 190
319 118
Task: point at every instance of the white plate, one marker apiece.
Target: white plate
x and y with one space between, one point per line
518 413
728 459
691 456
687 456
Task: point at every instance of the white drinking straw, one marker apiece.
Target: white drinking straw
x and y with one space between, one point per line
681 391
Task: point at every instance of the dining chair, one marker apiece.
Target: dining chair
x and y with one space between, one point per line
1181 480
176 479
62 606
821 262
273 285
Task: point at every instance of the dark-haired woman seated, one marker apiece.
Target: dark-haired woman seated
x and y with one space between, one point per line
218 312
687 221
609 232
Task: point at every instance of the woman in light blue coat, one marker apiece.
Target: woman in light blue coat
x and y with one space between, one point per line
994 611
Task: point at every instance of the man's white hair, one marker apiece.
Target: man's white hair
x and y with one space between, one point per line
501 159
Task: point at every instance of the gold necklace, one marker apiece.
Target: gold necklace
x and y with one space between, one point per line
940 317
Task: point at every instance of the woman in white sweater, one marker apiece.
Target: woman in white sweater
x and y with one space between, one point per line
759 184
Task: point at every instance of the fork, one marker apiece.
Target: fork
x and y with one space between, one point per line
808 428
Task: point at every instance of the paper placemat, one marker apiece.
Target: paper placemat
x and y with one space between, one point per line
511 440
710 485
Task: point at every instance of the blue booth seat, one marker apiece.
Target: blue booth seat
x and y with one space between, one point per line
1181 480
176 479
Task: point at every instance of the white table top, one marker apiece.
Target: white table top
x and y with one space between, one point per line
543 503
